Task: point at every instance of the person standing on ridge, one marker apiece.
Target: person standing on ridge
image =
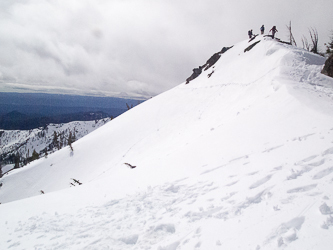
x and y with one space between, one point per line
274 30
250 33
262 29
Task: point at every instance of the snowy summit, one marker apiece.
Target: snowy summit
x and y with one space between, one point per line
238 158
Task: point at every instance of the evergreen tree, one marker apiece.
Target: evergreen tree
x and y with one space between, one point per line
35 155
55 141
73 136
17 160
61 140
70 140
27 158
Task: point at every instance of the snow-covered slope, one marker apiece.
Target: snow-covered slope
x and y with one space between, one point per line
25 142
238 160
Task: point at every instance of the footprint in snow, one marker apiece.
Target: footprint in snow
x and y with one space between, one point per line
317 163
259 197
239 158
228 196
173 188
328 211
305 169
167 228
328 151
323 173
271 149
232 183
325 210
277 168
304 137
328 223
253 173
260 182
130 239
286 232
302 189
306 160
198 245
171 246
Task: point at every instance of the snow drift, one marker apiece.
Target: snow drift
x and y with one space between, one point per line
239 158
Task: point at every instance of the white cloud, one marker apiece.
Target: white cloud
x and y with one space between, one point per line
137 47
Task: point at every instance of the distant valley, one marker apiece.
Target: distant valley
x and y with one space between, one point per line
22 111
35 125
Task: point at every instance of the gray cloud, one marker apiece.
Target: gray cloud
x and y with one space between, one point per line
133 47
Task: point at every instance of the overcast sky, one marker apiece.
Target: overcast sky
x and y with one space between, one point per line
137 47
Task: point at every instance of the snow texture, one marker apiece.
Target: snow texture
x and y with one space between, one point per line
238 160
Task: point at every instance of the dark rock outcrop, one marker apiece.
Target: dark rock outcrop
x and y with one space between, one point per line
210 62
328 67
254 37
195 74
251 46
214 58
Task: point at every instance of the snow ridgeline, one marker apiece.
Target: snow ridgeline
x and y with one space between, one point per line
24 142
239 158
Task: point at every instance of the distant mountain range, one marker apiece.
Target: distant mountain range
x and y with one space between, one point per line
32 110
24 142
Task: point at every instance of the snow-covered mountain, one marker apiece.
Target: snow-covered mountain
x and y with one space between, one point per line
25 142
239 158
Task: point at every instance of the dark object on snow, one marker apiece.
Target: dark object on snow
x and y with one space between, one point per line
195 74
253 38
262 29
277 39
76 181
251 46
250 33
42 192
131 166
214 58
283 41
328 67
224 49
210 62
210 74
274 30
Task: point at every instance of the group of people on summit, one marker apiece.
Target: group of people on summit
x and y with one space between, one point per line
216 56
262 31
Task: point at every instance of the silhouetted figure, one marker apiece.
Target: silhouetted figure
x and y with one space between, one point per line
250 33
274 30
262 29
